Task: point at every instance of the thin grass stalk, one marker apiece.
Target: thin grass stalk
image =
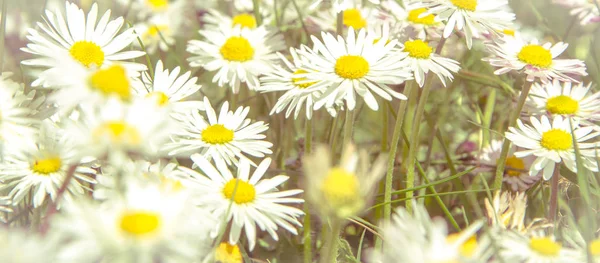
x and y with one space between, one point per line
487 116
257 16
553 210
348 127
2 35
307 222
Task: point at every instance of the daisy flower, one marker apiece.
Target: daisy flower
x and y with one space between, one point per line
357 65
422 59
413 24
228 253
516 170
80 38
171 89
535 60
574 238
246 201
537 248
345 189
159 31
472 17
552 143
16 109
586 10
565 99
507 211
21 246
214 19
357 17
339 5
239 55
228 137
144 224
39 166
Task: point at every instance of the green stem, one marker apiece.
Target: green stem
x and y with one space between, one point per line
301 18
553 210
256 5
506 145
331 244
2 35
340 23
307 224
487 116
348 125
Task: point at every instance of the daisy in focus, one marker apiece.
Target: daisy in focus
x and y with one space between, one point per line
239 55
358 64
227 136
250 199
566 99
537 248
80 38
422 59
533 59
552 143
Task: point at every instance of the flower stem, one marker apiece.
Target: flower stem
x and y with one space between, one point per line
553 210
340 23
59 194
307 224
331 244
348 125
506 145
257 16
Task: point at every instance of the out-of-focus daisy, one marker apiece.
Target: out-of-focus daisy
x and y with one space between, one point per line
80 38
535 60
417 238
145 9
170 89
552 143
239 55
15 110
356 17
143 225
507 211
574 238
341 190
472 17
586 10
227 253
228 137
565 99
251 200
39 166
357 65
340 5
422 59
159 32
215 19
516 170
537 248
414 25
20 246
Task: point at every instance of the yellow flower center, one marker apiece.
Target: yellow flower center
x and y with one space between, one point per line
594 248
227 253
557 140
46 166
340 188
173 185
245 192
351 67
237 49
244 20
139 223
509 32
469 5
535 55
160 97
155 29
301 85
87 53
418 49
514 163
217 134
467 249
112 81
413 16
545 246
353 18
562 105
118 132
158 5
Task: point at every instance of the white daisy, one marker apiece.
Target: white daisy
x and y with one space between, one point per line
340 5
357 17
574 238
228 137
565 99
472 17
159 32
246 201
552 143
39 166
171 89
537 248
586 10
357 65
535 60
79 38
16 110
507 211
214 19
227 253
21 246
422 59
411 21
239 55
144 224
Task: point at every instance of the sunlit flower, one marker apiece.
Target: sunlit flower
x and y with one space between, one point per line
413 25
516 170
537 248
16 110
159 31
21 246
357 17
586 10
422 59
215 19
567 99
507 211
246 201
340 5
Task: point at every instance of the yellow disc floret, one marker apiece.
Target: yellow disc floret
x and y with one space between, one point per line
513 165
418 49
237 49
158 5
296 81
118 132
47 165
545 246
244 20
245 192
139 223
469 5
351 67
112 81
227 253
467 249
340 189
594 248
562 105
160 97
153 31
353 18
535 55
87 53
557 140
413 16
217 134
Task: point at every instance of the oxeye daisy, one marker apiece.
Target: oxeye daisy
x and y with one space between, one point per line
537 248
21 246
144 224
227 253
339 5
251 200
357 17
413 24
356 65
573 238
39 166
80 38
170 89
533 59
214 19
506 211
552 143
422 59
586 10
16 110
229 136
159 31
472 17
239 55
565 99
